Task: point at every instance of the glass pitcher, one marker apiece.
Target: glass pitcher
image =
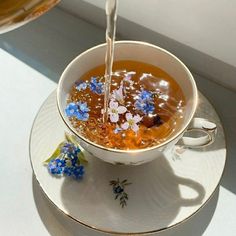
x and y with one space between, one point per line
15 13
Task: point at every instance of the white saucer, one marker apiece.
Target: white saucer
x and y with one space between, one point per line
163 193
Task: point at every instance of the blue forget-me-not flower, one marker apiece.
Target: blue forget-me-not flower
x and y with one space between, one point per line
95 86
76 171
71 109
145 102
78 110
70 148
145 95
56 166
81 86
70 152
67 162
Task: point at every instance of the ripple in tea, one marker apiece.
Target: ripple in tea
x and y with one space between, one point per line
145 107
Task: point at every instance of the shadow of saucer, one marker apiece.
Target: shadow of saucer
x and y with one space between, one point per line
56 222
155 199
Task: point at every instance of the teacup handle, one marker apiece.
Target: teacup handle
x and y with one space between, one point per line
203 125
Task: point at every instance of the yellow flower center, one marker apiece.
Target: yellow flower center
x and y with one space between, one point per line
114 111
131 122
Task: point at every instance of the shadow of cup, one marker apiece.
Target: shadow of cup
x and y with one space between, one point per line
155 198
198 188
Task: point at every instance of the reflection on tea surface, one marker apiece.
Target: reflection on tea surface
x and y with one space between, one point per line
146 105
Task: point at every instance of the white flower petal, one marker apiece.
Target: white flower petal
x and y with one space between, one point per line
125 125
127 78
120 91
137 118
121 109
135 127
118 94
128 116
113 104
114 117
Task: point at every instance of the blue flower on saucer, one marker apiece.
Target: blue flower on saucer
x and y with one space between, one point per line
56 166
70 148
67 159
70 159
70 153
76 171
78 110
95 86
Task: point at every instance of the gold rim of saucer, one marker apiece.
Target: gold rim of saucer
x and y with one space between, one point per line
129 233
72 129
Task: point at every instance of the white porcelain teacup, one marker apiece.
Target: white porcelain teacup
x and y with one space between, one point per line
151 54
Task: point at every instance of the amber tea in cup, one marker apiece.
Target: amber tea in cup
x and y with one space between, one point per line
151 107
146 106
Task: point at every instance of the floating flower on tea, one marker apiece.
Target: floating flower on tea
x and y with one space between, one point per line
145 95
95 86
145 107
117 94
71 109
131 122
145 102
81 86
139 88
114 110
83 110
117 129
78 110
127 78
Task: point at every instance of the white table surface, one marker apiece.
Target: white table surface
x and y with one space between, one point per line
24 210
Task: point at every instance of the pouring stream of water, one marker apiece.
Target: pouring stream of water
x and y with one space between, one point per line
111 12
